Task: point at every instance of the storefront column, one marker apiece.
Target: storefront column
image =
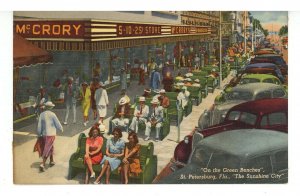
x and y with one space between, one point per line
110 67
179 55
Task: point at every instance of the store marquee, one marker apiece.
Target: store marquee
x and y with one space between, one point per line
95 30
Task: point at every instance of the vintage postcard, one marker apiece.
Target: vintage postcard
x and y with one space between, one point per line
150 97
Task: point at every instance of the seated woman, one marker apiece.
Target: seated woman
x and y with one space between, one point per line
93 154
131 161
114 151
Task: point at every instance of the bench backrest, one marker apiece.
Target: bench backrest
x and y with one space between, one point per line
145 151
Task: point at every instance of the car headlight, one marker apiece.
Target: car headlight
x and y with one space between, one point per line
186 140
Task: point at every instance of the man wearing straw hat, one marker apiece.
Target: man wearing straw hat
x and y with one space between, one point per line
183 96
48 124
121 117
141 112
155 119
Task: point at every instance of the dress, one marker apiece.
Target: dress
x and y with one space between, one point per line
86 101
48 124
94 144
114 148
134 160
101 99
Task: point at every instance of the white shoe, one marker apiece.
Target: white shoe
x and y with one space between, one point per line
87 122
157 139
93 175
84 124
65 123
147 138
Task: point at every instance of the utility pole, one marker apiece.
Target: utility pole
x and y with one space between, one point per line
245 47
220 48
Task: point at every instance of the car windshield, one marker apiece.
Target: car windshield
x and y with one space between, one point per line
207 158
249 80
239 95
244 117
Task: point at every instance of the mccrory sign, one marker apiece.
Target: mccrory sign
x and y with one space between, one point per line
50 29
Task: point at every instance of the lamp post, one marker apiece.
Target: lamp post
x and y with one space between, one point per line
220 49
245 47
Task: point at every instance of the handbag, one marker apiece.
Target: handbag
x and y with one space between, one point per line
39 146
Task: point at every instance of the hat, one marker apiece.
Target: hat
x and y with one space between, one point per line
184 88
148 90
197 80
70 78
213 70
49 104
122 101
155 101
156 91
85 83
142 99
189 79
162 91
101 84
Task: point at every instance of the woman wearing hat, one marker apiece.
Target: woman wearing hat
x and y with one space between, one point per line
85 97
48 124
121 117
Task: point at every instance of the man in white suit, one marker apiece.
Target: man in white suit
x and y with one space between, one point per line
101 100
155 119
141 112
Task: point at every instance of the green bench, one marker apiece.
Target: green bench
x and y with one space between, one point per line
187 110
148 163
203 85
195 94
142 127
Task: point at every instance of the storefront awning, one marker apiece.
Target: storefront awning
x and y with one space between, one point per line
27 54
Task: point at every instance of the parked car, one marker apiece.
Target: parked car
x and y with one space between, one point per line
236 156
264 68
246 78
237 95
261 78
272 58
271 114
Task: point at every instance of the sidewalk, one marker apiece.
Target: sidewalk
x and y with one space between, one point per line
26 163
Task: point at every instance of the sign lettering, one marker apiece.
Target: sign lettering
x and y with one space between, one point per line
50 29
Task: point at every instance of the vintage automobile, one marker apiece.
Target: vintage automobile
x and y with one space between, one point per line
246 78
271 114
237 95
265 51
236 156
259 68
272 58
263 78
264 68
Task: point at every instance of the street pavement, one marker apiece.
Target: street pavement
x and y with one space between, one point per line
26 163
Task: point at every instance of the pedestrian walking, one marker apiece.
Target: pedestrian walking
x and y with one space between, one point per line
93 87
155 80
123 79
142 72
41 99
48 124
101 100
71 95
85 97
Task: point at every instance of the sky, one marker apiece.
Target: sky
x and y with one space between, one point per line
271 20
